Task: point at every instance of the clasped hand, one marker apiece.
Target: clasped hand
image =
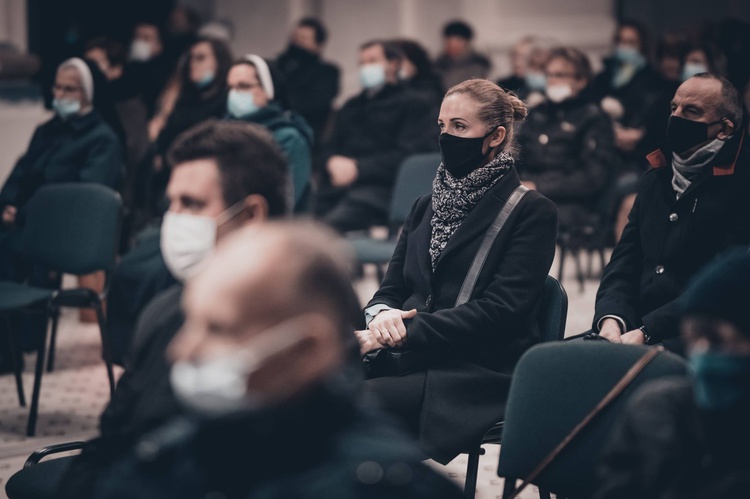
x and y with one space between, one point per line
387 329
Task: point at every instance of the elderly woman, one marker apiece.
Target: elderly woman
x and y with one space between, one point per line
467 350
76 145
257 95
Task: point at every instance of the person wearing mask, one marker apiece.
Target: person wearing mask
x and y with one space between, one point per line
459 61
418 74
458 392
567 144
670 55
690 206
264 364
312 83
703 58
225 175
520 54
149 70
374 132
257 95
686 437
76 145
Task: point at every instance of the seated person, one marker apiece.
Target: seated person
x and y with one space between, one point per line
687 437
374 132
76 145
690 206
224 175
567 144
459 61
264 371
456 398
257 95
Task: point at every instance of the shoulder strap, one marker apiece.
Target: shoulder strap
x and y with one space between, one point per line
634 370
489 239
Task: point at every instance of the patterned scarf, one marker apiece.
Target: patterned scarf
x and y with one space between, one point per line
454 198
686 170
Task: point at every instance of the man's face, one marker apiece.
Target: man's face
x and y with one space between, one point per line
455 46
628 37
195 188
376 55
304 37
519 58
68 86
700 99
561 71
150 34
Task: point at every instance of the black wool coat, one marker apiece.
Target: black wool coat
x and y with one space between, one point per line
668 240
485 337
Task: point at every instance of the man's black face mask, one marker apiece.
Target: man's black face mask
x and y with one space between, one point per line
683 135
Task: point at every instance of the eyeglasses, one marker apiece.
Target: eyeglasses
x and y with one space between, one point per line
65 89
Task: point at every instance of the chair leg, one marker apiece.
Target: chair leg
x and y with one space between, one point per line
472 470
579 268
544 494
53 341
38 373
561 267
509 487
106 348
380 271
15 359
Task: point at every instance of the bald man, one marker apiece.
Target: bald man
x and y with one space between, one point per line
691 205
263 370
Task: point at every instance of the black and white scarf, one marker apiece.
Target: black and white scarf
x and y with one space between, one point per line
454 198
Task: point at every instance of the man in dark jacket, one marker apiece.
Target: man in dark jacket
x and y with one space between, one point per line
687 437
374 132
459 61
690 206
265 370
312 83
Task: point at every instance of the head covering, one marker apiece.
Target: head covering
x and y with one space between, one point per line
721 290
87 80
264 73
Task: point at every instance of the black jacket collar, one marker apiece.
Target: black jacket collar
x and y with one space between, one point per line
725 162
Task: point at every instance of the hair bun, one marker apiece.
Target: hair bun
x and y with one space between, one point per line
519 108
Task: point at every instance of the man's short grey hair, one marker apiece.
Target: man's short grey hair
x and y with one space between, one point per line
731 100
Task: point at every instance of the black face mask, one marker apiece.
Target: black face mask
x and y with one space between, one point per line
683 135
462 155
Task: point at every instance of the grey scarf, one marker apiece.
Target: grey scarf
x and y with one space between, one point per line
685 170
454 198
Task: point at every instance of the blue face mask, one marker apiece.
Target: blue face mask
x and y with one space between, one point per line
240 104
721 380
629 55
206 80
692 68
536 81
372 75
66 108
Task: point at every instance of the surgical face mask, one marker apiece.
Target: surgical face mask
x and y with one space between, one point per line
219 386
721 380
240 104
140 50
683 135
559 92
187 240
206 80
693 68
66 107
462 155
629 55
372 75
536 81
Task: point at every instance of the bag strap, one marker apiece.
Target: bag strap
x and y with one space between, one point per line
634 370
489 239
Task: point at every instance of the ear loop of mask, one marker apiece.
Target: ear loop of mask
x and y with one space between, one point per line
231 212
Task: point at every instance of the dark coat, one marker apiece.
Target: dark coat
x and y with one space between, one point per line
81 149
667 241
568 151
192 107
664 447
485 337
379 132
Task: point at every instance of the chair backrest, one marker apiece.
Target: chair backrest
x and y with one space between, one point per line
414 179
73 227
553 311
554 387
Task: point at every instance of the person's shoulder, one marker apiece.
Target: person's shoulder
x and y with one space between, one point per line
163 310
536 201
672 392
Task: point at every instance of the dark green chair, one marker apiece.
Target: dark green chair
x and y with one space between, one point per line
414 180
553 313
74 229
40 479
554 387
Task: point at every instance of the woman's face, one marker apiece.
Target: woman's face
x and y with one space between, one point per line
697 57
629 37
459 116
202 62
244 78
68 86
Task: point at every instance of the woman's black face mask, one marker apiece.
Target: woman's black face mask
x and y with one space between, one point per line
462 155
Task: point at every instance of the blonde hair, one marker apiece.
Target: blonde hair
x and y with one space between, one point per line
498 107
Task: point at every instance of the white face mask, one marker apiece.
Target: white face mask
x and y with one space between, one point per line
218 386
559 92
187 240
140 50
372 75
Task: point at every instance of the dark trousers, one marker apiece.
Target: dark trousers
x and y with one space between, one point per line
336 209
401 396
